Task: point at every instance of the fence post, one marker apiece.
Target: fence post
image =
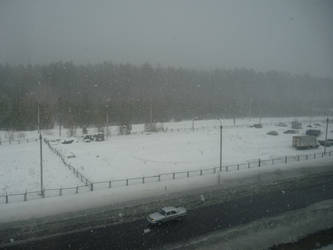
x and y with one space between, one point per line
200 171
77 190
25 195
60 191
285 159
173 175
143 180
43 193
109 184
188 174
159 177
91 187
6 198
259 163
126 182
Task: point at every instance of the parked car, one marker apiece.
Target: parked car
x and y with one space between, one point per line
290 131
88 138
67 141
166 214
282 124
273 132
70 155
256 125
313 132
99 137
329 142
94 137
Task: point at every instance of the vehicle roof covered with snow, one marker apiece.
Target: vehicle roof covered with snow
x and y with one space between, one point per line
168 209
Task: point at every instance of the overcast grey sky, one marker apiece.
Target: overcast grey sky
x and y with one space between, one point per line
287 35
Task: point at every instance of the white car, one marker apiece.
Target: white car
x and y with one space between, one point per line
166 214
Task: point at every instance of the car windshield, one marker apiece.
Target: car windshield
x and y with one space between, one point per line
218 111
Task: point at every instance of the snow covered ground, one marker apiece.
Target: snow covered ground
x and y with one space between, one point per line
143 154
154 153
20 169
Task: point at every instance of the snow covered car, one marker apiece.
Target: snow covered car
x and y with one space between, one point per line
329 142
67 141
166 214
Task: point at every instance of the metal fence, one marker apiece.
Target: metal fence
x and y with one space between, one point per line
89 186
75 171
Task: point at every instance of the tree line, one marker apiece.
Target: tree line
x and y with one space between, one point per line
86 95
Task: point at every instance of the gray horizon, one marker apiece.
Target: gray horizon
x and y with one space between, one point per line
292 36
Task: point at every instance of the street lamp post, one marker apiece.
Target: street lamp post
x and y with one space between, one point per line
107 121
326 135
41 164
40 153
221 147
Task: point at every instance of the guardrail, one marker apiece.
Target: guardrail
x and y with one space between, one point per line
108 184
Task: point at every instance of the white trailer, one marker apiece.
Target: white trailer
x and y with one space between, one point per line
305 142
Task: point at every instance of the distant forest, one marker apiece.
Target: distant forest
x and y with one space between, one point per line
83 95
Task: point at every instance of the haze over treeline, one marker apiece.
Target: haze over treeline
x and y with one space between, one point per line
82 95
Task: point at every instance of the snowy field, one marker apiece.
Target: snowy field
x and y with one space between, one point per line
20 169
143 154
155 153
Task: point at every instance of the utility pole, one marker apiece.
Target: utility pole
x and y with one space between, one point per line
326 135
221 148
151 112
107 123
60 125
40 153
38 127
60 129
60 115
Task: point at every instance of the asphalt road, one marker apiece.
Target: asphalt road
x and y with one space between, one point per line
199 221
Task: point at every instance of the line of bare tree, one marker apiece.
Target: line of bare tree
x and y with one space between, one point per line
84 95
